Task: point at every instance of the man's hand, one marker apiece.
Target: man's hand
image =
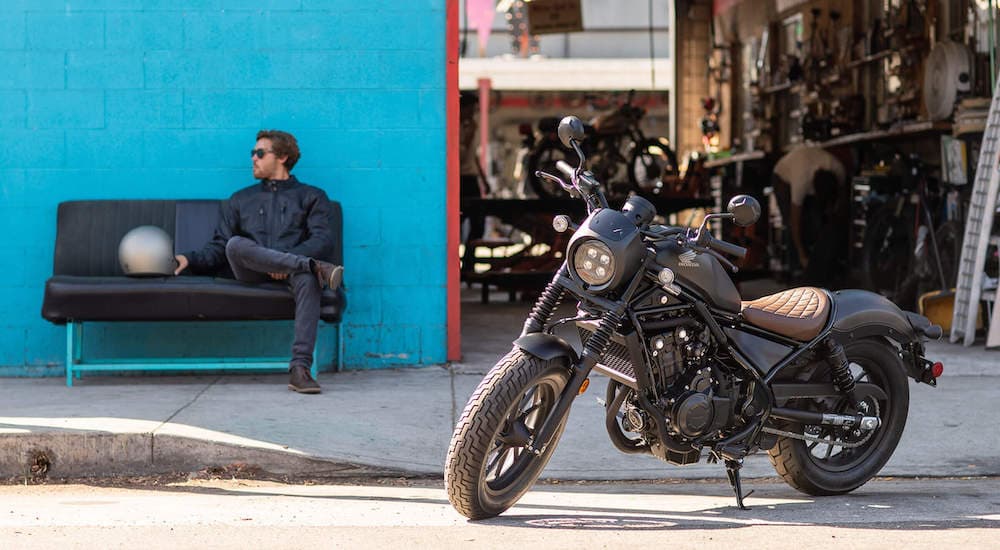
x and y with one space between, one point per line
182 263
278 276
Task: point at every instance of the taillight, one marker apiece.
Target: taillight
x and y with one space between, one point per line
937 369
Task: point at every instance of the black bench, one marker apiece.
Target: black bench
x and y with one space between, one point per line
88 284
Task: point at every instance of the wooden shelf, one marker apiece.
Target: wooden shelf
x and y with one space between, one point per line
776 88
869 59
739 157
906 130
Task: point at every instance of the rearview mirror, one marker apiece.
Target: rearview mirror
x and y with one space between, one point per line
745 210
570 128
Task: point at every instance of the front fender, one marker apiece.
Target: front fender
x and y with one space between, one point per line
547 347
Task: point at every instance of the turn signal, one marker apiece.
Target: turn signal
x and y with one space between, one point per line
584 386
937 369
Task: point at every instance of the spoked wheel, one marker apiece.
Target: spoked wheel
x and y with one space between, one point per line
838 460
886 259
489 465
652 164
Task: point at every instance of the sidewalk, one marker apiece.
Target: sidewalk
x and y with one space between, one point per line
392 421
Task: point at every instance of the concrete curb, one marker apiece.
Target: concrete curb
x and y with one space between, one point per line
91 454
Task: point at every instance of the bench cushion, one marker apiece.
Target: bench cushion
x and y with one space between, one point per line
88 283
69 297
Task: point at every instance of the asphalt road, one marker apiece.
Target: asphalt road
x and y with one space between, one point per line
886 513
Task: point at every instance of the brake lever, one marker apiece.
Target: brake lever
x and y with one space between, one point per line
556 179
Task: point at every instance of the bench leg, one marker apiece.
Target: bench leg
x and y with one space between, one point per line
78 348
340 347
314 370
74 349
69 354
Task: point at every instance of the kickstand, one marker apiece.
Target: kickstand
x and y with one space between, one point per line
733 472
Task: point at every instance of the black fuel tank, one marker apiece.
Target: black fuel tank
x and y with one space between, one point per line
701 273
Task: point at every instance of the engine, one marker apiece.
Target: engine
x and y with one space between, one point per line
693 394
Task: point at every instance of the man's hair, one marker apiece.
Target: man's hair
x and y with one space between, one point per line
283 144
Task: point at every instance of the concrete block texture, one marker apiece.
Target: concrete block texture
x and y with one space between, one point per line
66 109
13 36
66 30
144 31
162 98
33 70
104 69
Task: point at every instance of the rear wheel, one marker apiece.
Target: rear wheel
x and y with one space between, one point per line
886 259
839 459
489 466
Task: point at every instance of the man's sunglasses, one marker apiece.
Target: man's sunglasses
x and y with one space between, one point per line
260 153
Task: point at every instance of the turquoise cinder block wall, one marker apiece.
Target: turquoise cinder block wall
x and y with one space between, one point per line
162 99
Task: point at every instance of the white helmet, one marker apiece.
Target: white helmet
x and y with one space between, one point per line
147 250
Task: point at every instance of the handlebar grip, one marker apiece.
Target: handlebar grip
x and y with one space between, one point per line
727 248
565 168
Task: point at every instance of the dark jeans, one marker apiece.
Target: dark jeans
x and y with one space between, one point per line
252 262
470 190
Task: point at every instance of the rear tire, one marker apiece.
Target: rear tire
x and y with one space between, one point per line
489 467
829 469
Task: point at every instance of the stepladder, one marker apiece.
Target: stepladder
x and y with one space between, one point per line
978 235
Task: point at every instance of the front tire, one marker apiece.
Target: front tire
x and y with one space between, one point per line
826 468
489 466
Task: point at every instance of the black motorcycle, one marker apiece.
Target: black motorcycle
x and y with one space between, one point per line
816 378
619 154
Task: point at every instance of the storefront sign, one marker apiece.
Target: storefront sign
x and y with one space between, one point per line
554 16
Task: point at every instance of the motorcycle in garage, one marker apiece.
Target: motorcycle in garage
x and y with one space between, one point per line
817 379
619 154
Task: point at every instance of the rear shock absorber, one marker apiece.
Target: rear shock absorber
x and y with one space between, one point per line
843 380
544 307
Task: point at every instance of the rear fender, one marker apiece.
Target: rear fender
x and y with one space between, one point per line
861 314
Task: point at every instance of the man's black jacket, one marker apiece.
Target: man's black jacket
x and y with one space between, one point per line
285 215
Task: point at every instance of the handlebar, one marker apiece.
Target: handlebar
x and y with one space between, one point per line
565 168
726 248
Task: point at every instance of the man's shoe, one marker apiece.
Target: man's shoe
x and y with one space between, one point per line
329 275
301 381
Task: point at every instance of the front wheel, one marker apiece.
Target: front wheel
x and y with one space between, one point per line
838 460
489 466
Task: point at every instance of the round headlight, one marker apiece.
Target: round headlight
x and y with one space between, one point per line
594 262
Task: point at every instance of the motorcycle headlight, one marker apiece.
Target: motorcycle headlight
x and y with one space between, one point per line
594 263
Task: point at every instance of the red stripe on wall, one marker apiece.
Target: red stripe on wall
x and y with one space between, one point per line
451 204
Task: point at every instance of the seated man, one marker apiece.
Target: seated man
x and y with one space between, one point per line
809 186
277 229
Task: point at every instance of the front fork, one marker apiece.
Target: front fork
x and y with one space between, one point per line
593 350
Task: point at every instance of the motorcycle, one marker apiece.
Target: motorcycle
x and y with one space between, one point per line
909 247
620 154
816 378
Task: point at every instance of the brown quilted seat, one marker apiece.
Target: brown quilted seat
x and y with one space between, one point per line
798 313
